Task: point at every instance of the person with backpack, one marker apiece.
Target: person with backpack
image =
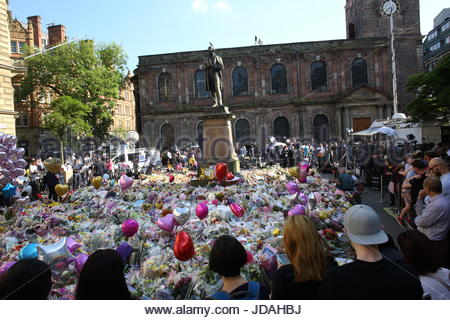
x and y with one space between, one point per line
227 257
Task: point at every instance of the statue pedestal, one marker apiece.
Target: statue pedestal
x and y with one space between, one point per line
218 143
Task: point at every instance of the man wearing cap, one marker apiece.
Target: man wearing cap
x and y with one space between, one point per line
370 276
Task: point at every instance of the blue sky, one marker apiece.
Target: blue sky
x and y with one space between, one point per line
145 27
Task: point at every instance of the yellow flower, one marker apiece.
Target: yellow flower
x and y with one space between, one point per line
276 232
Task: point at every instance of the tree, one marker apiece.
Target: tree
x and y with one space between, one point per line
67 114
90 74
432 93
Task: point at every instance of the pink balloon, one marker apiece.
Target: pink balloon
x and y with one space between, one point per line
215 202
166 223
201 210
130 227
72 245
111 204
237 210
80 260
297 210
292 188
125 182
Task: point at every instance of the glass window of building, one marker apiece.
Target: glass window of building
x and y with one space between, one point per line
165 87
281 128
200 84
318 76
359 72
279 79
240 81
14 48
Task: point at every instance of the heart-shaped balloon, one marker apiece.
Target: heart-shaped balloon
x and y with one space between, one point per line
292 188
201 210
230 176
125 182
221 171
297 210
171 178
80 260
249 257
130 227
30 251
61 189
9 191
54 253
183 247
237 210
166 223
223 212
53 165
97 182
294 171
181 215
125 250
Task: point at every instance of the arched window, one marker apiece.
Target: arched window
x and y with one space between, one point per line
242 130
359 72
281 128
279 79
318 76
165 87
200 84
321 128
240 81
167 136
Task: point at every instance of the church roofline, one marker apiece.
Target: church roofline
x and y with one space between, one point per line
281 48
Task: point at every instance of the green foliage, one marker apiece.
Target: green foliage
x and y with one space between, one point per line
432 93
67 113
92 75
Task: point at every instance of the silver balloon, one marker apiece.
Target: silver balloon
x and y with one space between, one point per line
311 201
54 253
20 152
181 215
20 163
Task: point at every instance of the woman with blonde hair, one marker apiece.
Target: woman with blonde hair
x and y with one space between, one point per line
302 278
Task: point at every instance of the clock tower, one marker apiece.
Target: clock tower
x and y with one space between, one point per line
370 18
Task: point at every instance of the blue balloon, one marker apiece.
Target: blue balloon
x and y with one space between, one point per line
9 191
112 182
30 251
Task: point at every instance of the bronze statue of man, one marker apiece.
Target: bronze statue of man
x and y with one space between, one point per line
214 67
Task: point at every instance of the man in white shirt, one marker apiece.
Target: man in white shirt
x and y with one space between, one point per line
438 167
433 218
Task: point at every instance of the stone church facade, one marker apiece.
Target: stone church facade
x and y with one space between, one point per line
308 90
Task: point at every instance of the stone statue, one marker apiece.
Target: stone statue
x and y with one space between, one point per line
214 67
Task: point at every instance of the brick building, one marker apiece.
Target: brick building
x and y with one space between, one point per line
309 90
29 119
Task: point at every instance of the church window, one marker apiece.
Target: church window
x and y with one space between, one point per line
240 81
318 76
200 84
279 79
165 87
359 72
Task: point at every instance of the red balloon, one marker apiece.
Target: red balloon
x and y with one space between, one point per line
171 178
230 175
183 247
221 171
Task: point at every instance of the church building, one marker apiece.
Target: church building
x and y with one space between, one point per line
308 90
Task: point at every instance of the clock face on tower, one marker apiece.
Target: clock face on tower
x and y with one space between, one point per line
389 7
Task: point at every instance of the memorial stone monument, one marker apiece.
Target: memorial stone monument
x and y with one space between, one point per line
217 130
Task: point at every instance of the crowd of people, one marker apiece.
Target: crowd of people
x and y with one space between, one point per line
417 268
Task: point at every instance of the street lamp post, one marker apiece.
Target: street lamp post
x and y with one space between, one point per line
394 62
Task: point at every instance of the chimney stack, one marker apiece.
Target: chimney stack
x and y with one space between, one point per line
56 34
37 30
